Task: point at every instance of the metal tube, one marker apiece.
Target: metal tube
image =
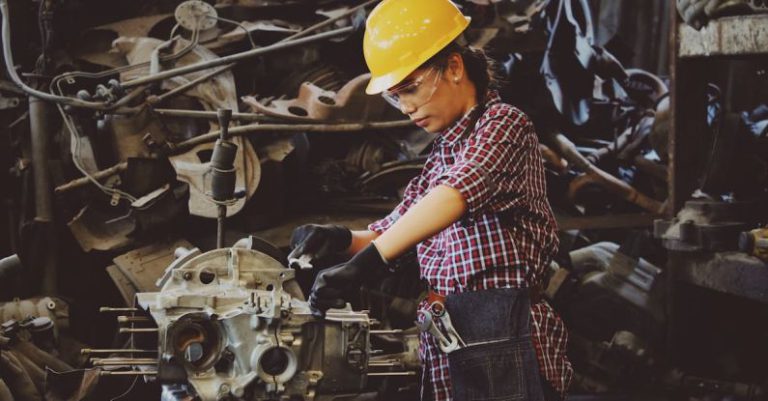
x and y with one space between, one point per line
128 319
139 330
124 361
392 374
246 129
234 57
185 87
104 309
211 115
128 373
395 331
39 130
88 351
80 182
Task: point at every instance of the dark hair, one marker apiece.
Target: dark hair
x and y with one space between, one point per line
480 68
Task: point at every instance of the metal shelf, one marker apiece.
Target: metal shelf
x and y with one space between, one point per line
729 36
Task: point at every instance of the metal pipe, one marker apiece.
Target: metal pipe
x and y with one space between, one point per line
138 330
187 86
80 182
128 373
392 374
395 331
566 148
39 130
211 115
104 309
89 351
246 129
39 133
129 319
124 361
233 58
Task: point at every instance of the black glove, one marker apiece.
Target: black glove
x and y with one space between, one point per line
365 268
319 241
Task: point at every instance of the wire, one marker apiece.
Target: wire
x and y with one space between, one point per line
76 158
239 25
135 379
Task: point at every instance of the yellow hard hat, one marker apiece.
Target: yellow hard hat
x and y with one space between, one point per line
400 35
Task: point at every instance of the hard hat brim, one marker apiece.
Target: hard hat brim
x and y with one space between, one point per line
383 82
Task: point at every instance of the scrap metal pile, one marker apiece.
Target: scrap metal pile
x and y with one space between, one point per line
111 111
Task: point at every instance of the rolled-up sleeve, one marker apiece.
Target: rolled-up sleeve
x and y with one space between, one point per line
497 150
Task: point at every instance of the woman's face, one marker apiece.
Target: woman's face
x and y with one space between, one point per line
434 98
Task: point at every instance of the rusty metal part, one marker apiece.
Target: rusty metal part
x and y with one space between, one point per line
293 128
315 104
614 185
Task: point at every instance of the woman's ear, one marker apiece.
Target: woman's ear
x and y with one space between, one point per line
455 67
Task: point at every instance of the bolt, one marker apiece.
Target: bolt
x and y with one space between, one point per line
187 276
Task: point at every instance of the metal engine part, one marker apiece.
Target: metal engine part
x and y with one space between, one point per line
232 323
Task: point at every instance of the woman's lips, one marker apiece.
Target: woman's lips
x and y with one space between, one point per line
421 122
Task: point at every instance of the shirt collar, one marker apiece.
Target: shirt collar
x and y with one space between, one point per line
452 134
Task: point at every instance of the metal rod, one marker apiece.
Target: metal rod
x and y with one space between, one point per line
187 86
138 330
234 57
104 309
250 128
129 319
384 364
124 361
392 374
128 373
80 182
211 115
395 331
89 351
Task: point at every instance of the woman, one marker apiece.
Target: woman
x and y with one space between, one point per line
477 213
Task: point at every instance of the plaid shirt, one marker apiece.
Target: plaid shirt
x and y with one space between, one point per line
505 240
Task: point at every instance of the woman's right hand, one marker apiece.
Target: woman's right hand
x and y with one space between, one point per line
312 242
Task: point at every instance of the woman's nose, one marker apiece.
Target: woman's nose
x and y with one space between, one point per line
406 108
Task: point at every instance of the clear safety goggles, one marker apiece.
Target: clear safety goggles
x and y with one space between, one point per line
414 93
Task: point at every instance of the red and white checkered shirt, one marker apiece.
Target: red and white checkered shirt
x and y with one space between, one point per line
505 240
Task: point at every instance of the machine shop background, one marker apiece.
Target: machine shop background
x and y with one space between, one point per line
652 119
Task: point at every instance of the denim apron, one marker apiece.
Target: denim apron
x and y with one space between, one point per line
499 362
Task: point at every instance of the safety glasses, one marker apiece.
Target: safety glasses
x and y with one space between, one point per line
416 92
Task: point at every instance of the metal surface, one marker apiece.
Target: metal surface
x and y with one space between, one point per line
729 36
728 272
144 266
